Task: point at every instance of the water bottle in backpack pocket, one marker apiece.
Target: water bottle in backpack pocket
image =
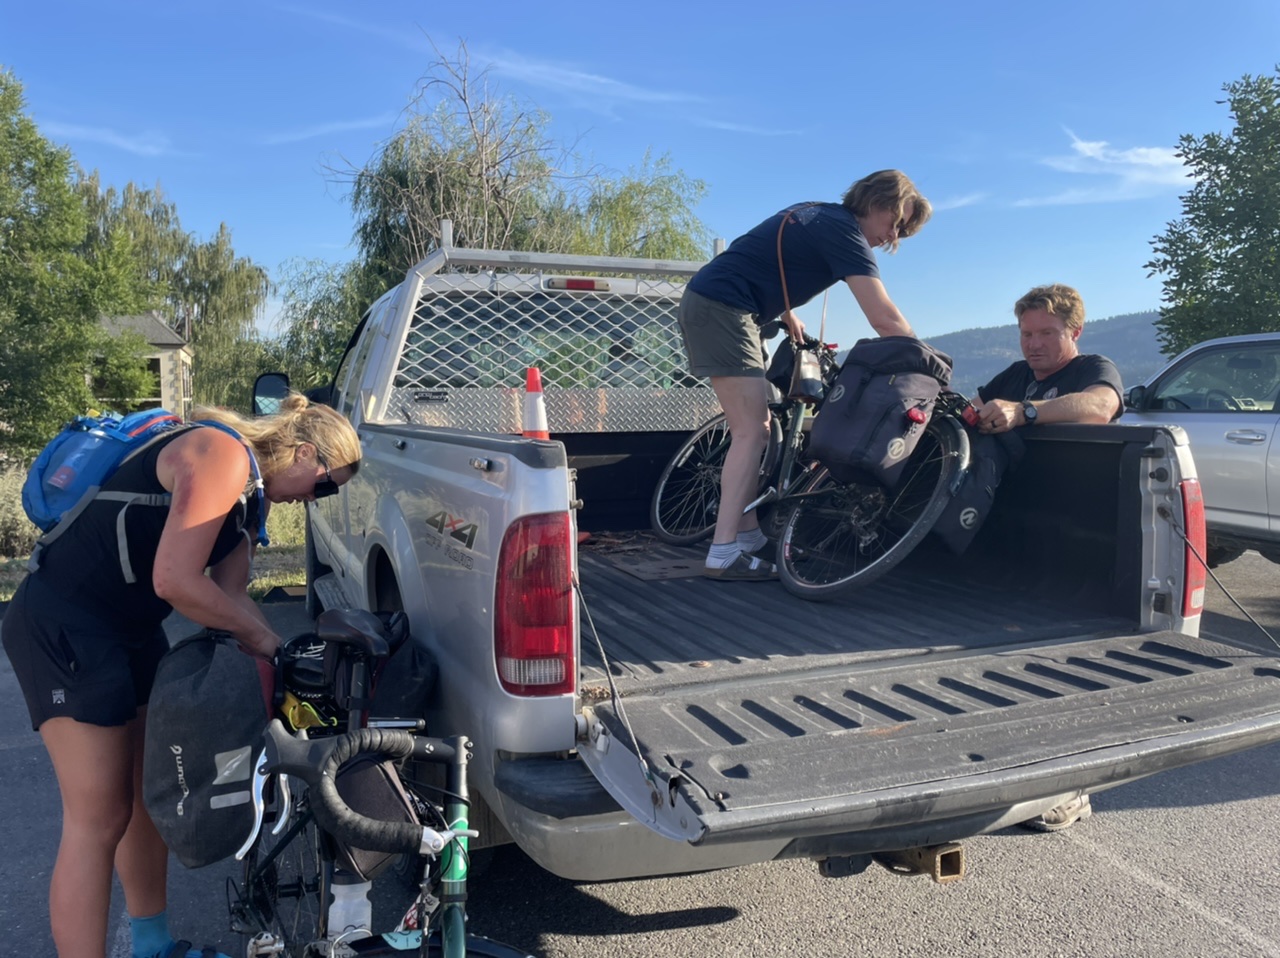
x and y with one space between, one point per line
878 408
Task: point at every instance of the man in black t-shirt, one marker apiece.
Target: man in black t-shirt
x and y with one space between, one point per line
1055 382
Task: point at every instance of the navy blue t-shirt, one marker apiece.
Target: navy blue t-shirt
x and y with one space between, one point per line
1018 383
821 245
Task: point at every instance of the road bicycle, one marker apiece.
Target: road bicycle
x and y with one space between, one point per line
832 536
686 501
335 799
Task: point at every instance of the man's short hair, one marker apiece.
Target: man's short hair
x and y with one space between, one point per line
1057 299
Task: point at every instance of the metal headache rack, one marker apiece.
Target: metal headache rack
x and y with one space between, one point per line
601 329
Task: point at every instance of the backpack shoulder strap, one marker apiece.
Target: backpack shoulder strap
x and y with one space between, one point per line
259 486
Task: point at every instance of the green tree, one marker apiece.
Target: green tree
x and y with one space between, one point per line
471 154
217 296
1221 260
52 347
647 213
466 153
135 243
322 304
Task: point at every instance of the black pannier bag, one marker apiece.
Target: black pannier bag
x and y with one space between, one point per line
878 408
782 365
990 457
205 719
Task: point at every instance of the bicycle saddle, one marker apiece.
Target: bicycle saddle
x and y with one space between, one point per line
354 627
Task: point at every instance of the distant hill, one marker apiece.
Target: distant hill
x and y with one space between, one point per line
1129 341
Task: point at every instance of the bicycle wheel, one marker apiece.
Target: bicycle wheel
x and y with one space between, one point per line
686 501
841 536
285 890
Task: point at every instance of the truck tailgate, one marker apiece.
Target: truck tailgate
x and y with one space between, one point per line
859 742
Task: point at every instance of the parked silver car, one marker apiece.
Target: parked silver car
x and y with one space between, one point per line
1226 394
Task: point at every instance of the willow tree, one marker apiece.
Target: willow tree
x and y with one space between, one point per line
216 298
321 305
467 153
133 236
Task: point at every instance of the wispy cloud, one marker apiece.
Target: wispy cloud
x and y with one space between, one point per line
959 202
579 83
412 39
384 120
592 90
143 144
747 128
1129 174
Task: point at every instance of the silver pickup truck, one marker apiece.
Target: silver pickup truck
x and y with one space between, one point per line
632 718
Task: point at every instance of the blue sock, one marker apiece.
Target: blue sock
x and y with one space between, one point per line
150 935
151 938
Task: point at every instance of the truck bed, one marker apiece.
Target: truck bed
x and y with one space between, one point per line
770 717
663 625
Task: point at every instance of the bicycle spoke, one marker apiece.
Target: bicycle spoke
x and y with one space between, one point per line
284 889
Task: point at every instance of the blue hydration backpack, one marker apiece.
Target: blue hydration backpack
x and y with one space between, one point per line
71 470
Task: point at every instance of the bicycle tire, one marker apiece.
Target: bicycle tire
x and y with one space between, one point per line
686 500
286 896
842 536
477 946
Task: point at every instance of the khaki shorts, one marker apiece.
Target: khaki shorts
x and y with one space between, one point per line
720 340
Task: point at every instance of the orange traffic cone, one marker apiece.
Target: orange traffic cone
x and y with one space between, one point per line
535 407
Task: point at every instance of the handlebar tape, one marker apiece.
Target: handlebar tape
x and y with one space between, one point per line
317 763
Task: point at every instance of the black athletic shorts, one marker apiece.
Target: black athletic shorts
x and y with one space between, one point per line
69 663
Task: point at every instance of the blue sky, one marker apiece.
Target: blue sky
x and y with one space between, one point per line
1042 133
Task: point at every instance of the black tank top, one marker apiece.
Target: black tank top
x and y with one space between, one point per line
83 565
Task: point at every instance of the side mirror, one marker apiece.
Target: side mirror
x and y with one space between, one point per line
1136 398
268 391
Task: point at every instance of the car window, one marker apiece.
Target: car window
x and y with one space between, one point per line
1243 378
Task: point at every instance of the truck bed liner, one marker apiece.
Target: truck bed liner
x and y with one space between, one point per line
664 632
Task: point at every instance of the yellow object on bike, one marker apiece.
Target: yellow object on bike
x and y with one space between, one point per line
300 714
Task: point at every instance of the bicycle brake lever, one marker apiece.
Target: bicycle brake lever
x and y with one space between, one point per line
257 790
285 794
433 842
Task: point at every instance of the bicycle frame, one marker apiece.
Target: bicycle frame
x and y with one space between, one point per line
792 414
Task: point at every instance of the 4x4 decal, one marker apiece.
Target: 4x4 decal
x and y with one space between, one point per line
453 527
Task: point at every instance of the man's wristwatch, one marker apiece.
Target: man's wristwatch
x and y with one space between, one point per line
1029 413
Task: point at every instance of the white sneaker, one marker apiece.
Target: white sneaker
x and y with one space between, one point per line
1063 816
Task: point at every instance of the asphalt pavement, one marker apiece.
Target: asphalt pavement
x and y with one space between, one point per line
1184 864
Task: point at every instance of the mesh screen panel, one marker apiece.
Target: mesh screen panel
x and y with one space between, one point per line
610 361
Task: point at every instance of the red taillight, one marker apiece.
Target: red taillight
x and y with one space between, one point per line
1194 573
916 414
533 629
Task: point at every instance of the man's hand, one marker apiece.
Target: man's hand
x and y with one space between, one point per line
998 415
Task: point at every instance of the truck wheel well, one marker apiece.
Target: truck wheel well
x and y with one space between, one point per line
384 589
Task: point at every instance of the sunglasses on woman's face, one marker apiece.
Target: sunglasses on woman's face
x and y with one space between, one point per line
325 487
